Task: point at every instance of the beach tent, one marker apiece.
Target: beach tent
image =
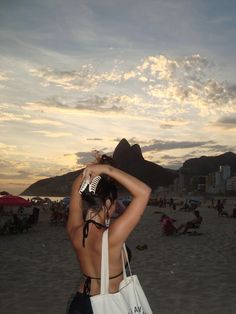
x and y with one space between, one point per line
11 200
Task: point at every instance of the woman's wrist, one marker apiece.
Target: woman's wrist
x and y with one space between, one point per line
107 170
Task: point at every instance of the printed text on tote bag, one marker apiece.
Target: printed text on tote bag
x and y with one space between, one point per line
137 309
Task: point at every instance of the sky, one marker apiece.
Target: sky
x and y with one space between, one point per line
80 75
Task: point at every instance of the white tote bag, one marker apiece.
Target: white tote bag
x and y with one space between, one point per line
130 299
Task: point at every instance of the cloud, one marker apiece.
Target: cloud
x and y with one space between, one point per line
187 81
163 85
16 175
7 148
81 80
175 162
43 121
100 104
172 123
53 134
169 145
226 122
3 76
84 158
220 148
8 116
83 104
84 79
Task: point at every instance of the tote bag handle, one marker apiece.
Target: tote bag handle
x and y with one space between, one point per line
104 289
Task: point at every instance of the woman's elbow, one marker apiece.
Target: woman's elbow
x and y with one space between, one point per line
146 192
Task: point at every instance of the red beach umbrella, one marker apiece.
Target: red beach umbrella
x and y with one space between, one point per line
11 200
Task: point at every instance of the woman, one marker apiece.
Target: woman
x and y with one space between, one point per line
89 216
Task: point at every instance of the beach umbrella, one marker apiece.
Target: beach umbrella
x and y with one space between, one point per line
37 200
47 199
11 200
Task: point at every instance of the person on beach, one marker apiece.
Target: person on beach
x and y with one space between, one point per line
89 217
233 215
194 223
167 226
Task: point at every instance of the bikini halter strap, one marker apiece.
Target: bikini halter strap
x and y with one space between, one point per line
86 228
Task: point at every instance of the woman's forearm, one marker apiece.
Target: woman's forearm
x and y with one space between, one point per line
133 185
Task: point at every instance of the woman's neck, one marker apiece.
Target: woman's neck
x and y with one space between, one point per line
98 217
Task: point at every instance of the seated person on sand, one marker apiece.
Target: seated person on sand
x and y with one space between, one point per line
233 215
220 209
194 223
167 226
222 212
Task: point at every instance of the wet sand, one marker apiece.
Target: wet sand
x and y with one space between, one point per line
180 274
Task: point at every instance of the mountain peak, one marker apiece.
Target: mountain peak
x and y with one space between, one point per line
128 158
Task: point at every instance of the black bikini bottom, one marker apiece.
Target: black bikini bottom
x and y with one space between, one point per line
80 304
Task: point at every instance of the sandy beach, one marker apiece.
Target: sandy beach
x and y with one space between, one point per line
180 274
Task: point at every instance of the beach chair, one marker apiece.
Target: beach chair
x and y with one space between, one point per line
193 230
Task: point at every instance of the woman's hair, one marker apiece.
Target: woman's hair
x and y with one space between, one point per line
106 190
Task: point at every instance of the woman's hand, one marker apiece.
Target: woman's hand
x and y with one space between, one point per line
92 171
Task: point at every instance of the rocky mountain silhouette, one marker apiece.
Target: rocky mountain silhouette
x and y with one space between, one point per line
127 157
130 159
207 164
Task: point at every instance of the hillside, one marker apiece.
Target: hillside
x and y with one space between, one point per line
207 164
128 158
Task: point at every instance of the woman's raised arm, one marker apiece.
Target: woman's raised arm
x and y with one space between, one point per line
122 227
75 218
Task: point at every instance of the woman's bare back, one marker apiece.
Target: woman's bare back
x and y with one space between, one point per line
89 258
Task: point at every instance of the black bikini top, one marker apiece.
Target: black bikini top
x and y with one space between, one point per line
86 228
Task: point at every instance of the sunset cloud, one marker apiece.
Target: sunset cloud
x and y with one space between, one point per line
169 145
92 104
53 134
226 122
188 81
84 79
172 123
4 148
79 77
3 76
174 83
8 116
46 121
81 80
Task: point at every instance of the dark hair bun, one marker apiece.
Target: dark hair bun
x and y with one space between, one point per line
106 188
107 160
